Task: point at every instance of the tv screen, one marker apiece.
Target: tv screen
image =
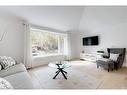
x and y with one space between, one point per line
90 40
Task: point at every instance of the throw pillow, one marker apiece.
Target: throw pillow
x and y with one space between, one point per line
7 61
4 84
114 56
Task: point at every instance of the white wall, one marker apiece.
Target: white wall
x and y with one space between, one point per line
13 41
39 61
74 44
110 23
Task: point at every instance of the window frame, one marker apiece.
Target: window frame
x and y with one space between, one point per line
56 33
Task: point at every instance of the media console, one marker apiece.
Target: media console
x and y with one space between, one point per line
89 57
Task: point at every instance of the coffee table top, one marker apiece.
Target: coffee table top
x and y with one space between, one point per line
61 64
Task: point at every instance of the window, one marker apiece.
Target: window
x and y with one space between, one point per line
47 43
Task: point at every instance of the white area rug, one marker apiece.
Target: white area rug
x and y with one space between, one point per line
76 79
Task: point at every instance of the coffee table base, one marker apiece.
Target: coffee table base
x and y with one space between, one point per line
62 71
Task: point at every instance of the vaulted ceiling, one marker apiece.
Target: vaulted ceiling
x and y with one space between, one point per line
69 18
64 18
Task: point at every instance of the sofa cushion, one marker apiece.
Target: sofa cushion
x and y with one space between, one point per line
20 80
4 84
12 70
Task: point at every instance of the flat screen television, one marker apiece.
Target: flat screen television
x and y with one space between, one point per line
93 40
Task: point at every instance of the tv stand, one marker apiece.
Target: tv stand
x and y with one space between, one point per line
88 57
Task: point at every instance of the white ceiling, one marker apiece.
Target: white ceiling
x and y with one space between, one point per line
96 18
58 17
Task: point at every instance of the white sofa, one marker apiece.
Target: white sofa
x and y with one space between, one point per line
18 77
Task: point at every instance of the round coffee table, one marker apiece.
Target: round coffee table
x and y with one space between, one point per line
60 66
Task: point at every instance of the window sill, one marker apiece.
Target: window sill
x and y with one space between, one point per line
48 55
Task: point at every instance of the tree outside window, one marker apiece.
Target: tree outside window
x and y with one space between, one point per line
44 43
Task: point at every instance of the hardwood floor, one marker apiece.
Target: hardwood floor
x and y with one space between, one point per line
85 76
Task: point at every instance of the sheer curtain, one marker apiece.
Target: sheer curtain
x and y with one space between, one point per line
67 48
27 46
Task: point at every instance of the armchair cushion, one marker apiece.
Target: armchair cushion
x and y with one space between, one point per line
113 56
104 59
105 63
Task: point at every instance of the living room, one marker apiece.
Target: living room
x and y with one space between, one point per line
37 37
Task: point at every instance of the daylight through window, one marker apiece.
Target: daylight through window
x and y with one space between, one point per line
47 43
